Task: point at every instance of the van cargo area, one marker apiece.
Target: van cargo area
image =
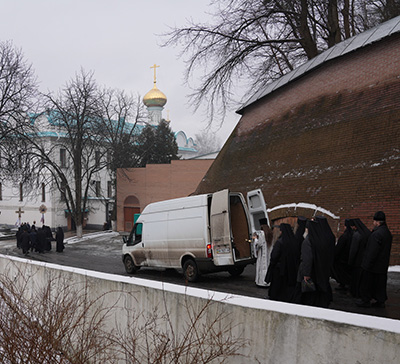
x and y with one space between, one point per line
199 234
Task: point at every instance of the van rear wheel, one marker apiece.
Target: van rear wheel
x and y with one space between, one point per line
130 266
236 271
190 271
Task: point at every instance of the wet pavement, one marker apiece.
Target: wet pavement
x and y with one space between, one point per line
102 252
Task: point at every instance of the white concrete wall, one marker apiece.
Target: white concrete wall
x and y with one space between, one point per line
276 332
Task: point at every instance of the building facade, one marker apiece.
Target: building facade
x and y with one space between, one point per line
327 134
42 202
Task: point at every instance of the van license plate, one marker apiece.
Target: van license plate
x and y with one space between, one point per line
223 250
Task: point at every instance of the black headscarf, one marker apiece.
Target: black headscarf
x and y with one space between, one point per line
361 228
322 248
290 252
326 229
342 247
301 227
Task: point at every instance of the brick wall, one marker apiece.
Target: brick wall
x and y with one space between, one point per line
158 182
331 138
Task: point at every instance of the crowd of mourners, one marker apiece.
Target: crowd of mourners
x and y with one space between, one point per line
298 267
30 238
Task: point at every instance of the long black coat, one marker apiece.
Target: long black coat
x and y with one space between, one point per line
375 264
316 262
377 252
59 240
341 268
25 241
41 240
282 270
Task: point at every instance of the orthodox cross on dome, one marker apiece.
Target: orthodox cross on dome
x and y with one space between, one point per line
154 66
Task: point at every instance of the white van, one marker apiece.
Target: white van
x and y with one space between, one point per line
200 234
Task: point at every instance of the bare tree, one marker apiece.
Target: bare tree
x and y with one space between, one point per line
207 142
54 321
119 130
69 124
151 337
252 42
63 321
18 96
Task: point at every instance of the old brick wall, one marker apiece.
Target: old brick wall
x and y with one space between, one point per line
157 182
331 138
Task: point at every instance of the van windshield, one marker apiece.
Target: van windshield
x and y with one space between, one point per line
135 236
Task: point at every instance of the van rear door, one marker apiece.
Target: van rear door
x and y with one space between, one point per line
257 208
220 228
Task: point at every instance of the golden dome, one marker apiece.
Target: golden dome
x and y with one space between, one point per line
154 97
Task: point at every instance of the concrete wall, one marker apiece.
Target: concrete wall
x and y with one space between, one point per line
275 332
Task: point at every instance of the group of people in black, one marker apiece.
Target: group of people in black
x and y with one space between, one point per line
302 262
39 240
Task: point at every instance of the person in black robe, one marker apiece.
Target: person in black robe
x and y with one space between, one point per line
341 268
49 237
299 233
25 241
357 247
282 270
33 237
316 263
59 240
41 240
329 243
18 236
375 264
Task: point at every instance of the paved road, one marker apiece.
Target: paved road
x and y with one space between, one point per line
103 253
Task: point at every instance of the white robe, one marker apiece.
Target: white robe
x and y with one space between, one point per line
262 253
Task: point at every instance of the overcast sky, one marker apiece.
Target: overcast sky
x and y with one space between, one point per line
117 39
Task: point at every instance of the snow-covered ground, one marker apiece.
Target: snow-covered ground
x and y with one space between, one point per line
102 235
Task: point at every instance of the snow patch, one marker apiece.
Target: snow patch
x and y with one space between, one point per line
103 234
305 206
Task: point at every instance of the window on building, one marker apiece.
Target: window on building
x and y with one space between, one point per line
1 191
97 157
21 192
43 192
63 158
109 189
98 190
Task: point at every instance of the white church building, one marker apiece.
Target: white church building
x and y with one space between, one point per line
20 203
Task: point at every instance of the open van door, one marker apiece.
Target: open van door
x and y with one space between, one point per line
257 209
220 228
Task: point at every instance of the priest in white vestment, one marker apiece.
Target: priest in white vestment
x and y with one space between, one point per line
262 253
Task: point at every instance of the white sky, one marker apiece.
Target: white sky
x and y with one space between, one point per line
117 39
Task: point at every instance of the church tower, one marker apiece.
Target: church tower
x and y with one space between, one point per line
155 101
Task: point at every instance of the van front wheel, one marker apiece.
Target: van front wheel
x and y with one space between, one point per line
130 266
236 271
190 271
